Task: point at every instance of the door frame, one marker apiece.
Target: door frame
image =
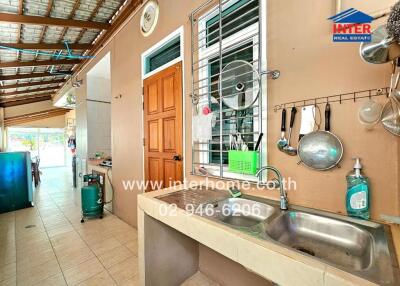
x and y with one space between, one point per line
181 58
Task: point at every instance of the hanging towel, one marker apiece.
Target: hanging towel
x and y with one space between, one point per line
307 120
202 127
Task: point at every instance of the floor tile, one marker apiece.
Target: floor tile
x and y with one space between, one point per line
47 244
199 279
8 271
83 271
57 280
38 273
26 262
104 246
134 281
9 282
114 256
133 247
73 258
101 279
124 270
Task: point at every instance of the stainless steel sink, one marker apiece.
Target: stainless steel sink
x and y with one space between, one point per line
335 241
362 248
239 212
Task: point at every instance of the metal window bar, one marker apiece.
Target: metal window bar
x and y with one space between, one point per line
230 47
227 55
216 23
215 40
229 23
206 82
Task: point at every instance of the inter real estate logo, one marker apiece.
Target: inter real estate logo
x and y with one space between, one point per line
351 26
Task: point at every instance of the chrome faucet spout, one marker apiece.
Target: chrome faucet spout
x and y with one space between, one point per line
283 195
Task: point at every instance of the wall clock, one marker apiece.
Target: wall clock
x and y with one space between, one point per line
149 18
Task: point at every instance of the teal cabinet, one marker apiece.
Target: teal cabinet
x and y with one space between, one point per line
15 181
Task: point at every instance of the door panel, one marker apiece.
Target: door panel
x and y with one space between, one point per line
163 126
169 134
153 136
153 97
168 93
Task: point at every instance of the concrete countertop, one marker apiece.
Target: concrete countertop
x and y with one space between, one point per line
265 258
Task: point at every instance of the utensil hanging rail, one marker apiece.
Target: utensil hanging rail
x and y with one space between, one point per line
354 96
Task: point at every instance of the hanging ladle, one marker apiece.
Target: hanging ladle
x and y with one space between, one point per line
291 151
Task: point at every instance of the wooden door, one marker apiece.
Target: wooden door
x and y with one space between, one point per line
163 127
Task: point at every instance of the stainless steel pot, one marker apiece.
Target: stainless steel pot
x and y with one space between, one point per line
321 150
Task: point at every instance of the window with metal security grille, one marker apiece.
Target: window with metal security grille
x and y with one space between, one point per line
224 34
164 55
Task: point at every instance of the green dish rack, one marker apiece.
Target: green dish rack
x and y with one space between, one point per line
243 162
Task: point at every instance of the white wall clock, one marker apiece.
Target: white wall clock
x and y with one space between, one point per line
149 18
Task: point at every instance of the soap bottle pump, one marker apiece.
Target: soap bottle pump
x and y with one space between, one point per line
357 197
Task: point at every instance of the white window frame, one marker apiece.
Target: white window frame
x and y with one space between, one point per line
159 45
207 53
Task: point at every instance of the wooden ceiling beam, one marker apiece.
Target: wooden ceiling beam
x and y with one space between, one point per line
48 21
92 15
43 46
37 113
18 98
25 101
44 29
74 8
28 91
35 116
28 84
31 75
16 64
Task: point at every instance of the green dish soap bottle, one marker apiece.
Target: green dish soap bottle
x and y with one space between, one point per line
357 197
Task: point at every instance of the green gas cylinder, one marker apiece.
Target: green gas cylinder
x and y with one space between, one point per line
91 198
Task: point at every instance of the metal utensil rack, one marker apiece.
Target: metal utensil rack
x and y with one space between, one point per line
211 46
351 96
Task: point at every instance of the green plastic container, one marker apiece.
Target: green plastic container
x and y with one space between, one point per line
243 162
92 201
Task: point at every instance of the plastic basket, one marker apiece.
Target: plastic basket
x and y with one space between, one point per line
243 162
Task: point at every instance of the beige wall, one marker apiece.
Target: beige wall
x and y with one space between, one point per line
28 108
53 122
300 46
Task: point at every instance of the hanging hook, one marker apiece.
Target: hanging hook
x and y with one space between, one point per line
354 97
315 102
340 99
370 95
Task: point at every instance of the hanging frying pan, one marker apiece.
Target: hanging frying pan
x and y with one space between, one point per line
321 150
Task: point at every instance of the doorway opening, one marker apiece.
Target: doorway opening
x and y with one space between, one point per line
163 106
48 144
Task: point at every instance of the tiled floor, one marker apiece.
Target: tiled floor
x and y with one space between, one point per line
47 244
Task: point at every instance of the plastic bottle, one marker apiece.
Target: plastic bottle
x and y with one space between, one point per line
357 197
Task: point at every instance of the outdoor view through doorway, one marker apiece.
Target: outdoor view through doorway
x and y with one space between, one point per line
46 143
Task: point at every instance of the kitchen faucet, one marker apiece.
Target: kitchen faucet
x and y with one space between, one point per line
283 195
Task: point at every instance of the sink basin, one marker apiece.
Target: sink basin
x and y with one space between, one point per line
362 248
239 212
335 241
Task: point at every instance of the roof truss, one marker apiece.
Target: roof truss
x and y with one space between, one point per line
43 46
28 84
28 91
48 21
17 64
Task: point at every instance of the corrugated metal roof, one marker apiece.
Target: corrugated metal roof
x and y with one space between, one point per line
84 10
